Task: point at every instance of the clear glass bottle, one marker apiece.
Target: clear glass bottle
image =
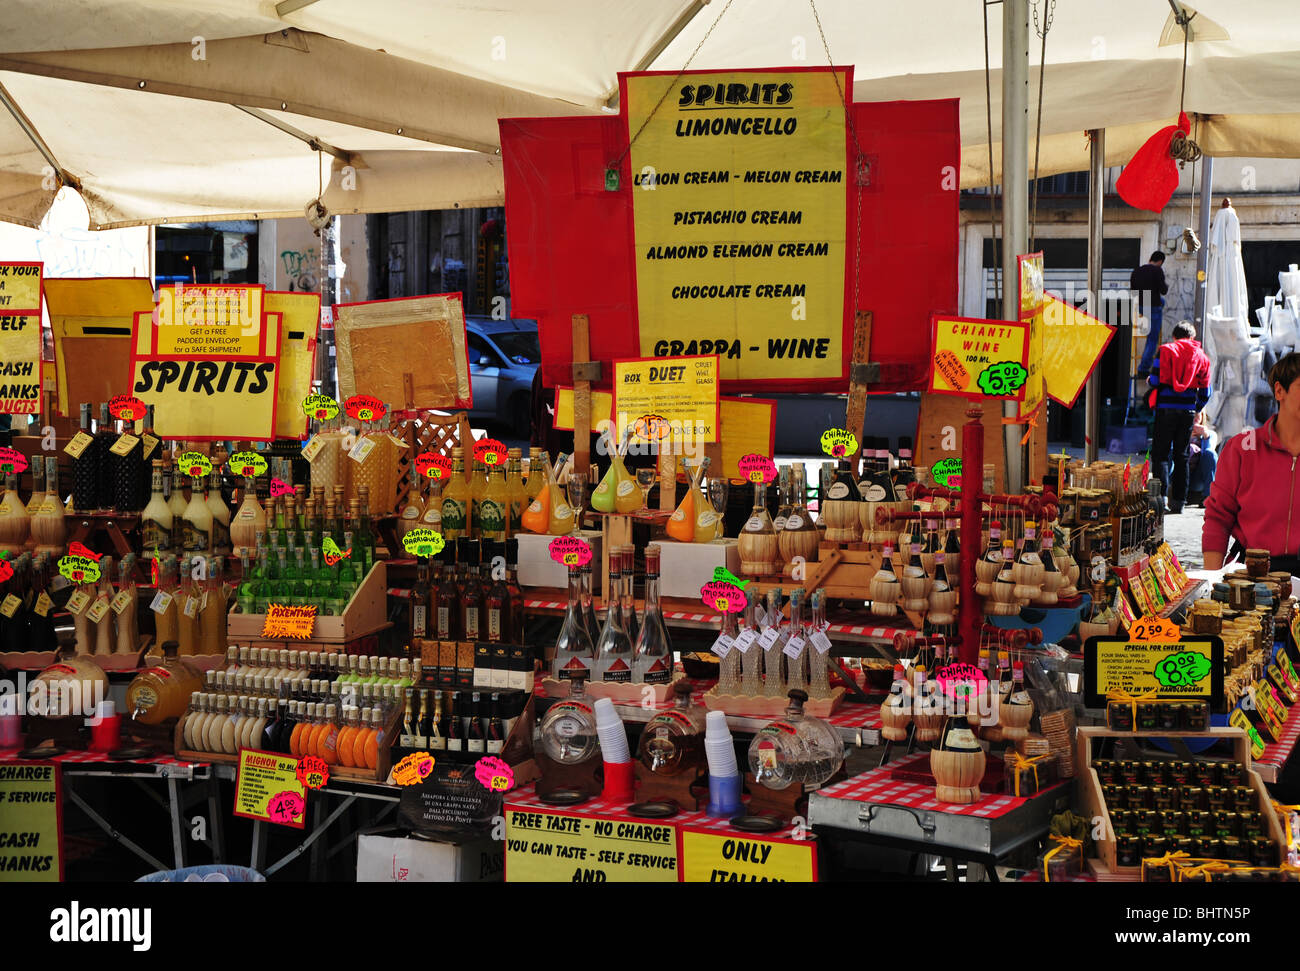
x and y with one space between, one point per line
614 647
672 742
795 649
627 594
569 728
819 685
751 660
653 660
589 617
771 642
729 663
575 656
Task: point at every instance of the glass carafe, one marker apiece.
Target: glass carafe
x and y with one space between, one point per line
693 521
673 741
569 728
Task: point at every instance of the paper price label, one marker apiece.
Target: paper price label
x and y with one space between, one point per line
312 448
768 637
160 603
794 647
150 443
120 602
760 616
98 609
191 608
361 449
10 606
838 443
746 640
820 641
77 445
124 444
320 406
723 645
43 605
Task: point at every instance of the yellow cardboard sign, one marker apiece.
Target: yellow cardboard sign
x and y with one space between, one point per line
267 788
288 623
20 287
31 831
977 358
91 323
667 397
20 363
749 427
602 409
208 321
1073 343
1238 719
709 857
547 847
740 215
299 323
208 395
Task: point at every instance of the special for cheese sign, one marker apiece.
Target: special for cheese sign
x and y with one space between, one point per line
208 360
739 207
20 338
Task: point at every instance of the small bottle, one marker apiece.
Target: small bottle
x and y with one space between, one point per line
475 736
614 649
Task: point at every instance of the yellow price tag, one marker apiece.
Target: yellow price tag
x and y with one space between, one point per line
10 606
78 444
124 444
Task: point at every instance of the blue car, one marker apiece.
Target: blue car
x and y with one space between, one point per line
503 356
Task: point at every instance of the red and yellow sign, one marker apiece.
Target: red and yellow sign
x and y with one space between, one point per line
666 397
977 358
709 857
267 788
288 623
1073 343
20 338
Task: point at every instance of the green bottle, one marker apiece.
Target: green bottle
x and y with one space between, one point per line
320 585
301 583
283 579
365 537
246 596
262 582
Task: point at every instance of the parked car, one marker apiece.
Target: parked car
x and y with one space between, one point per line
503 356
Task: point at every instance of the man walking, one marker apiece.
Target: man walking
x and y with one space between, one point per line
1148 282
1181 379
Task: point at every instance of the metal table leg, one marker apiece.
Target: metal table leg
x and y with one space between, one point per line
216 829
113 834
175 811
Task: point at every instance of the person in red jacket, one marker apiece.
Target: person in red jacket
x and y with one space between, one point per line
1253 500
1181 383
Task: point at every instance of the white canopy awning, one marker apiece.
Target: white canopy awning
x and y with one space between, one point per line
138 102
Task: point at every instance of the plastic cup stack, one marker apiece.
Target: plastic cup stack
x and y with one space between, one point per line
613 739
719 747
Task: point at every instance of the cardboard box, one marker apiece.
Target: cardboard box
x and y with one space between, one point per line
537 569
686 567
388 855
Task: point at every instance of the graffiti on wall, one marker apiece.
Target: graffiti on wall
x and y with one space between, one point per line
301 267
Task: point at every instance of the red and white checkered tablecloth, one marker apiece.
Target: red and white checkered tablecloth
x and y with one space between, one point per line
83 757
879 786
1277 753
526 798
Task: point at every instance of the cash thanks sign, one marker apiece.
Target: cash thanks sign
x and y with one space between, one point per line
208 359
741 213
20 338
977 358
31 823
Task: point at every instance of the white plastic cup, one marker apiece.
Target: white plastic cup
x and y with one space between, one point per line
715 725
105 709
609 727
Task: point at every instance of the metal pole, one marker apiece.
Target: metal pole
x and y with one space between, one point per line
1203 254
1096 233
1015 198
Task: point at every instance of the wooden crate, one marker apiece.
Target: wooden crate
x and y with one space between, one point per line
629 692
839 571
1094 802
365 613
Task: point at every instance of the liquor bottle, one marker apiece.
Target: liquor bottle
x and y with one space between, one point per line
795 649
363 542
800 536
952 546
1053 579
178 501
455 500
958 736
693 521
156 519
839 510
105 438
1028 568
617 491
819 685
198 523
497 606
477 487
533 483
653 652
516 492
165 621
574 651
220 514
589 618
263 587
1004 676
150 449
420 603
494 506
515 593
85 469
47 526
15 526
472 600
773 659
412 510
124 460
614 647
905 473
915 582
411 738
249 520
879 486
757 544
431 518
942 599
453 731
751 683
784 489
627 593
212 609
496 733
434 727
475 736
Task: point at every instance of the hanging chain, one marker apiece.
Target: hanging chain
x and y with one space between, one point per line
858 162
988 106
667 89
1049 14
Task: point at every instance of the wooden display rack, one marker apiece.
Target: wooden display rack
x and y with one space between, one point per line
1105 866
766 707
627 693
87 528
366 613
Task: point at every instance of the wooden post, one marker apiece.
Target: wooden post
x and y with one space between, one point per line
856 409
581 395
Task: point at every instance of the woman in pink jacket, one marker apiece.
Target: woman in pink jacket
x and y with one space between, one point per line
1254 497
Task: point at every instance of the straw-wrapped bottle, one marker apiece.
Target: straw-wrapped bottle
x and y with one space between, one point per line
884 589
840 510
800 536
760 553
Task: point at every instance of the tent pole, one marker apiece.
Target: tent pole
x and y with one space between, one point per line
1096 233
1203 254
1015 198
